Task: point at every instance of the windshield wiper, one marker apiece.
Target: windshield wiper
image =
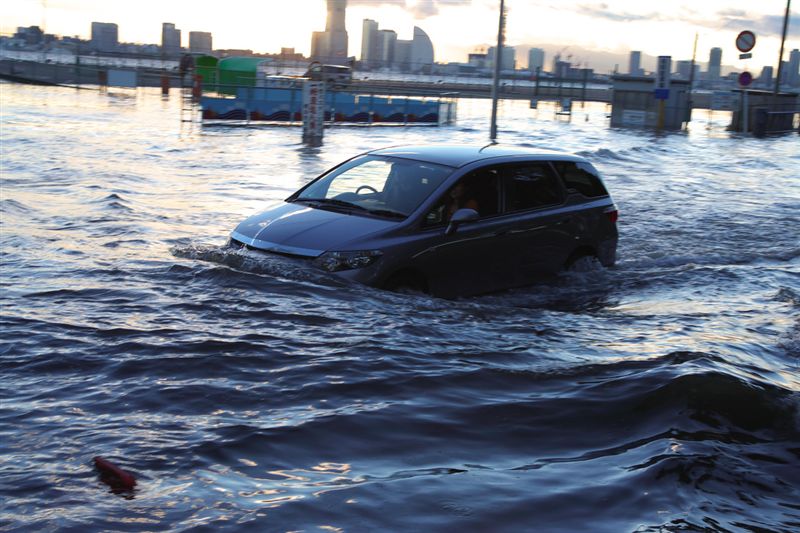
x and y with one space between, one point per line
331 202
387 213
324 202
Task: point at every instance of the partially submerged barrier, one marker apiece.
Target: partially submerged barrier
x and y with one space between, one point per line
285 104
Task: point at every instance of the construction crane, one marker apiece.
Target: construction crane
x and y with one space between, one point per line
44 15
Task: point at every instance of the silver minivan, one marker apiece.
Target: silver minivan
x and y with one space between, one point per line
447 220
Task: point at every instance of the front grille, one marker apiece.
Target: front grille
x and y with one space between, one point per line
233 243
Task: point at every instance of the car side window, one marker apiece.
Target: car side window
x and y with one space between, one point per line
478 190
581 178
530 186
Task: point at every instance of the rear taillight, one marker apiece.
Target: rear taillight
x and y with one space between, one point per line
612 214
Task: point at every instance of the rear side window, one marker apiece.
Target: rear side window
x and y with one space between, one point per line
531 186
582 178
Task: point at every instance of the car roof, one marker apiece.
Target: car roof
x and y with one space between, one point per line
460 155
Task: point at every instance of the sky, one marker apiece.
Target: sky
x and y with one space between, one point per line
456 27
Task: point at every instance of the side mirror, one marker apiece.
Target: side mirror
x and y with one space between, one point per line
459 217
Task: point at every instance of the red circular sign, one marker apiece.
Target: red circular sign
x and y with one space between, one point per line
745 79
745 41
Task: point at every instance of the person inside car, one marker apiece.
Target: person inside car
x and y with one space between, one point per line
459 198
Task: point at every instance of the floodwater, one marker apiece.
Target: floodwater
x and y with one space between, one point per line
247 392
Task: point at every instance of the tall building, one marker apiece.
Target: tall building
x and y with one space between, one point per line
421 51
765 78
402 55
793 74
170 40
105 36
200 42
635 64
535 59
683 69
319 45
382 48
330 46
508 62
561 69
387 39
337 34
784 71
369 42
714 65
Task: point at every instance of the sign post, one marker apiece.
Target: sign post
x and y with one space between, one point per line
745 42
313 112
663 77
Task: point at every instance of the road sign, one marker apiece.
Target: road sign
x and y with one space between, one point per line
745 79
725 100
745 41
663 73
661 94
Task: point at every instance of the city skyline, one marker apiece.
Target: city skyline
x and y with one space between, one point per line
614 27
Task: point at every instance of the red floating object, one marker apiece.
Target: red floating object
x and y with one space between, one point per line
114 475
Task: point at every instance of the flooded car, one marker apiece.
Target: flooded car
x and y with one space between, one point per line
447 220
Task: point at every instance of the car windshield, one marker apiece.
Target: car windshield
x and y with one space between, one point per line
374 185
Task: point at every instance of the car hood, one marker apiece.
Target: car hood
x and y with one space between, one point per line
302 230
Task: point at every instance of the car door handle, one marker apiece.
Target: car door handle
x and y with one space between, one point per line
564 221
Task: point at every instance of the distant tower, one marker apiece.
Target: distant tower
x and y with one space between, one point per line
507 61
635 64
200 42
714 64
105 36
170 40
387 39
535 59
765 79
793 72
336 11
683 68
337 34
330 46
369 42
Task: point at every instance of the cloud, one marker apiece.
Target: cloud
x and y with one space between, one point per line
420 9
726 19
602 11
762 25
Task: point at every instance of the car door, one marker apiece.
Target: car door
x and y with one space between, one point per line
539 230
466 261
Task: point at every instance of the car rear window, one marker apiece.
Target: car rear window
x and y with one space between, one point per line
582 178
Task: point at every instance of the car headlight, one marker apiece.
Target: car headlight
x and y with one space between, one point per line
336 261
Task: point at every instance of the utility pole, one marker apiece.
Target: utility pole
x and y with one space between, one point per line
780 55
691 80
498 59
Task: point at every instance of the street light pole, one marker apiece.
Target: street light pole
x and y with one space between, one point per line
498 59
780 55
